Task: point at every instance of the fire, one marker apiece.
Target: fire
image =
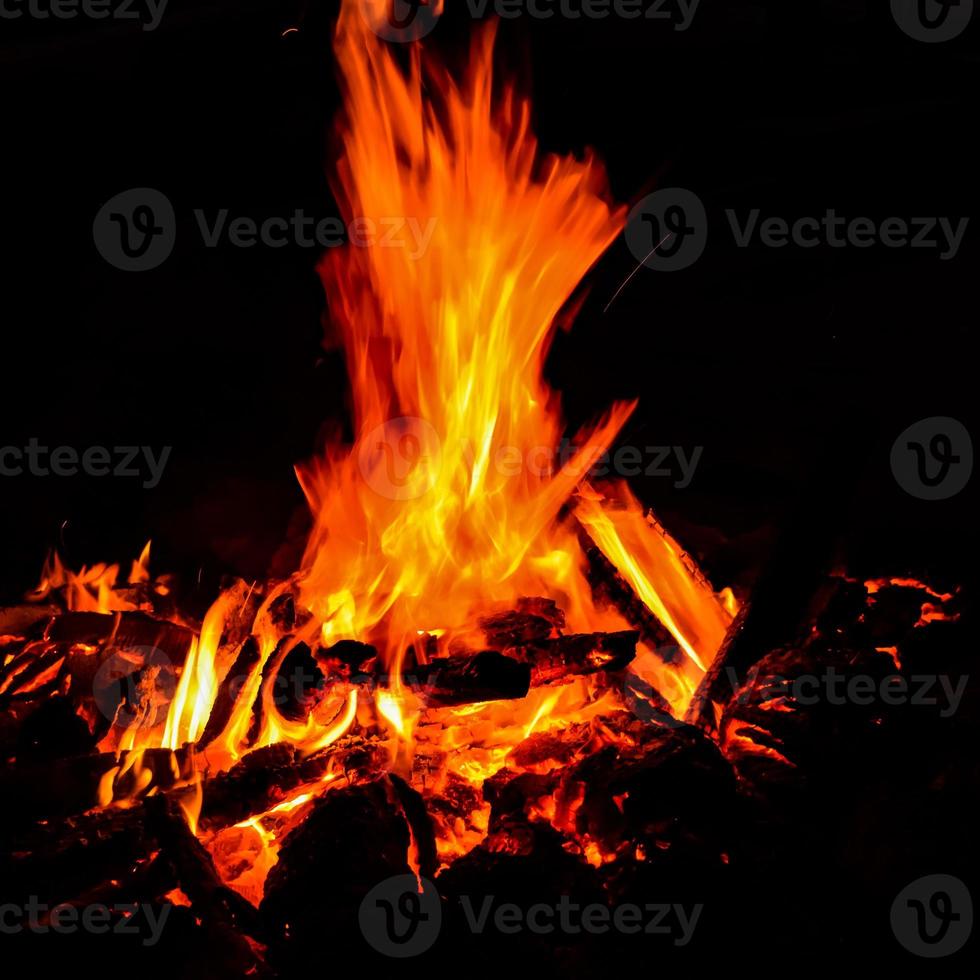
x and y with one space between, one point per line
451 502
92 589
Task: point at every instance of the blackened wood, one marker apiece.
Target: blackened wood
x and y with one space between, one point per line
26 619
353 839
22 682
610 588
270 670
347 659
484 676
298 683
534 618
123 631
53 729
265 776
423 833
229 917
64 857
68 786
578 654
230 690
282 612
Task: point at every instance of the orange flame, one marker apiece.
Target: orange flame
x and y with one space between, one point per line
451 500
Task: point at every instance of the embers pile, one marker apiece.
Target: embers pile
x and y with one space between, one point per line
625 806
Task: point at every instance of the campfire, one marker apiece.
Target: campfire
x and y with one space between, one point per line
487 658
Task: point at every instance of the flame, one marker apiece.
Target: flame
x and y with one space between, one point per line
449 500
452 499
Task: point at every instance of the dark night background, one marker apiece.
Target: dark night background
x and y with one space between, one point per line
786 365
763 356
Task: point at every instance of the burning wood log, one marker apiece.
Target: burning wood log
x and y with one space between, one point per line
532 620
71 785
270 670
353 839
61 858
256 783
487 675
266 776
484 676
578 654
228 916
609 587
26 620
34 663
228 693
532 633
122 631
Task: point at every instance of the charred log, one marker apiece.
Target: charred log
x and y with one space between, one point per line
610 588
229 920
534 619
353 839
555 661
484 676
266 776
122 631
231 685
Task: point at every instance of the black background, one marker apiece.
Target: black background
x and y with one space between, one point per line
768 358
